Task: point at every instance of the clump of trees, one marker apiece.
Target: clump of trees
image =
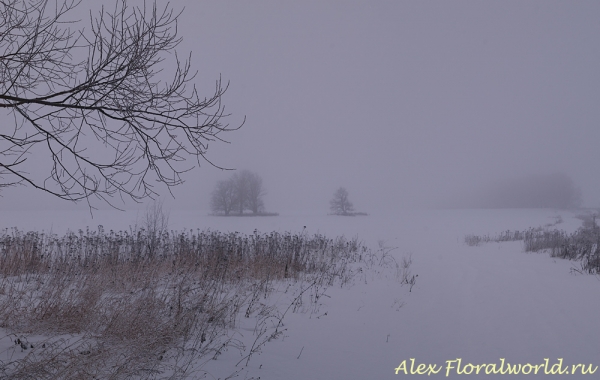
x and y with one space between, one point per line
242 192
341 205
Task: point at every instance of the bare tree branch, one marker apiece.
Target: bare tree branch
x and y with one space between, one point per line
95 102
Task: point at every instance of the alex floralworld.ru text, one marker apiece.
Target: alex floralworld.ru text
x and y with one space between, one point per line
503 368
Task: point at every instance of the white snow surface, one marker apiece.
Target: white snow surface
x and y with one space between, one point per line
480 304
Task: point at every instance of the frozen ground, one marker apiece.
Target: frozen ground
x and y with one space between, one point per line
479 304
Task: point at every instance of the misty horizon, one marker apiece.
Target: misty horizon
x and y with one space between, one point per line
406 105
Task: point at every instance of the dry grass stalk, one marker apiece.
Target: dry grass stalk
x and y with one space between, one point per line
152 304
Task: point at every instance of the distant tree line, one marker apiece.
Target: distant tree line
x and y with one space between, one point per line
555 190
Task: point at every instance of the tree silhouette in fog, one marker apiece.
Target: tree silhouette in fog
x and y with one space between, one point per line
243 191
339 204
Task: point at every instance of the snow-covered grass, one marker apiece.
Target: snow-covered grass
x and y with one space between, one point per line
482 304
581 245
159 304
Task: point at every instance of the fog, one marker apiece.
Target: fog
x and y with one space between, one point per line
405 104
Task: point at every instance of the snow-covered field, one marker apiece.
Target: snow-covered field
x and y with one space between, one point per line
480 304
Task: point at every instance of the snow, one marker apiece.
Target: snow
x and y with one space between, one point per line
480 304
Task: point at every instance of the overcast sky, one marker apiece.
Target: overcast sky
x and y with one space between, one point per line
405 103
